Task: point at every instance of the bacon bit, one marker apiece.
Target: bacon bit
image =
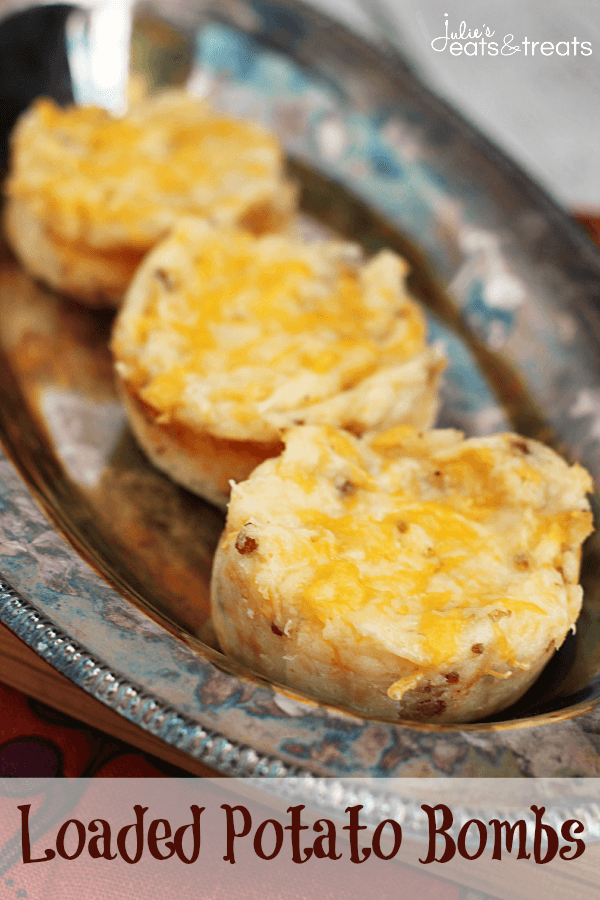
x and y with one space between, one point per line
346 488
521 561
521 447
477 649
354 428
245 544
452 677
166 279
429 708
276 630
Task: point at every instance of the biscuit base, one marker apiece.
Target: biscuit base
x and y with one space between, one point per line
197 460
353 677
97 278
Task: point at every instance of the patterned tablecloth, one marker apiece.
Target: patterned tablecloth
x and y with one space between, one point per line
39 742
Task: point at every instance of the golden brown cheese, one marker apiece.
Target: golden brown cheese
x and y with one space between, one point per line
105 180
407 572
83 181
244 335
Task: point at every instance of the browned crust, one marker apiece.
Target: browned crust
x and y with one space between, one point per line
198 460
97 278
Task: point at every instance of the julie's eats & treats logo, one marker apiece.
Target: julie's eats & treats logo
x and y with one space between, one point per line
482 40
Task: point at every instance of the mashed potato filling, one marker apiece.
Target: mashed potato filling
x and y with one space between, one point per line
432 548
106 181
246 335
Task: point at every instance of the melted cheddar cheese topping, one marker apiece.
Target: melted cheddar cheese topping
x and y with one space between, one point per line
425 543
246 332
103 180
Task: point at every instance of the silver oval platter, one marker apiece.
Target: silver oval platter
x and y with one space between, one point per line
105 564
